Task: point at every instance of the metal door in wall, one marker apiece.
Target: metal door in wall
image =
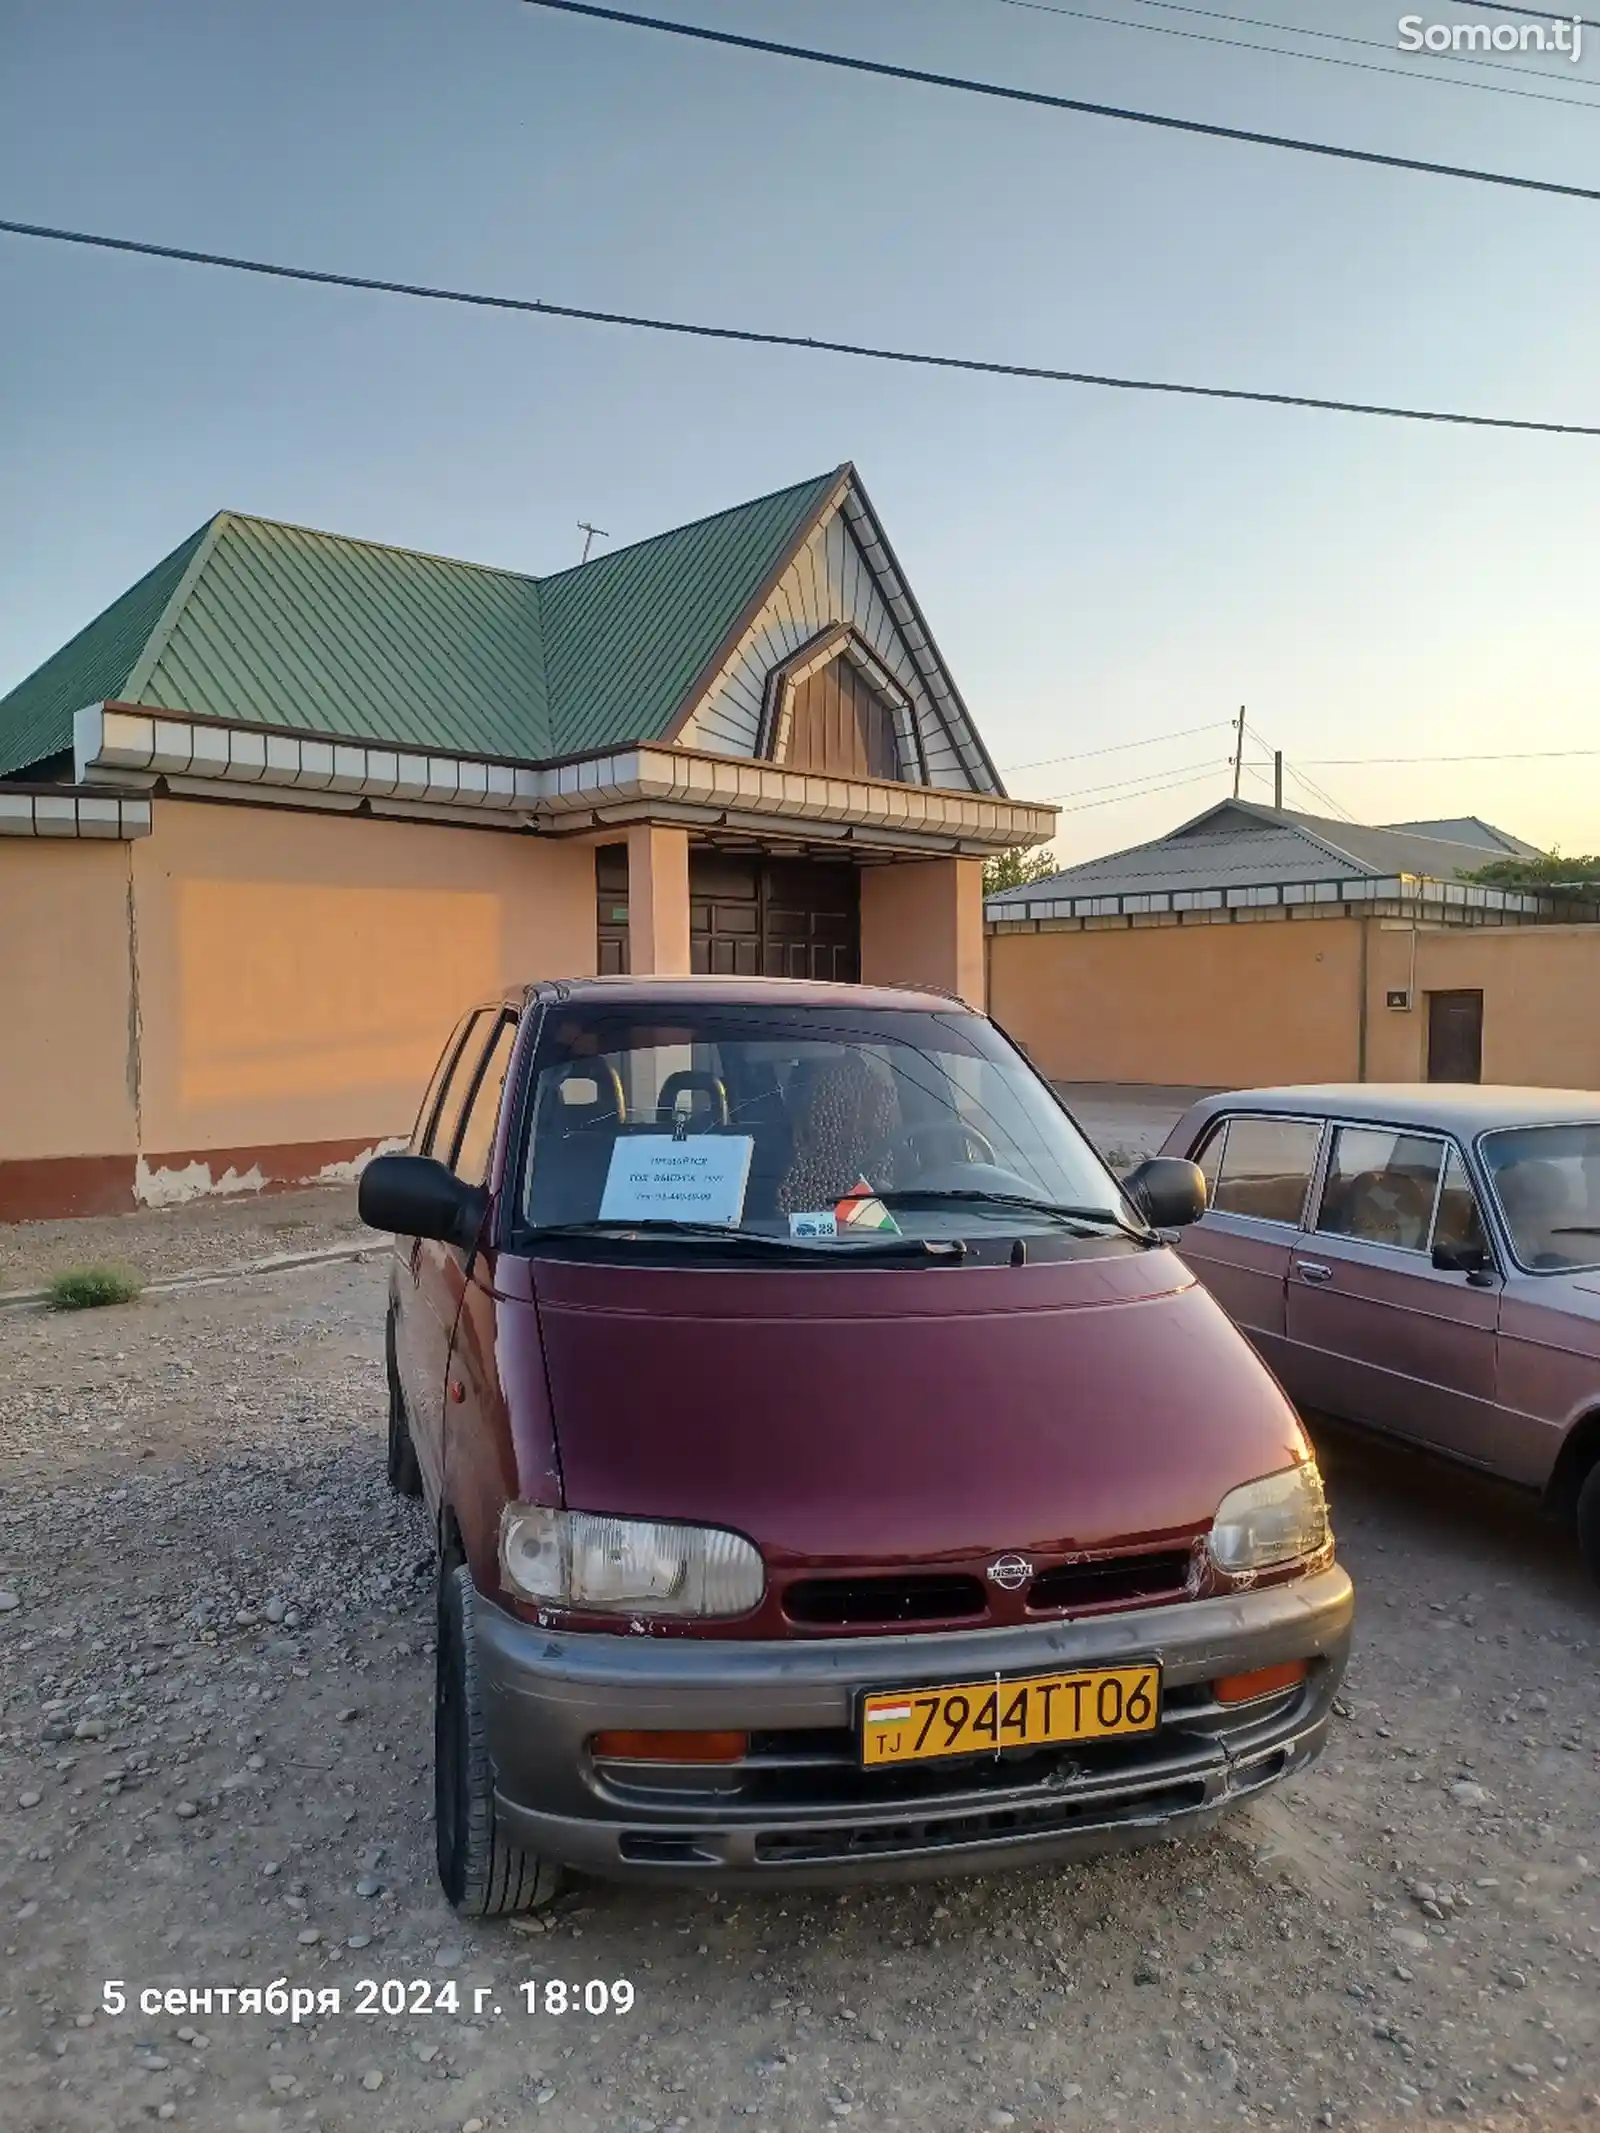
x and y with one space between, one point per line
1455 1036
777 918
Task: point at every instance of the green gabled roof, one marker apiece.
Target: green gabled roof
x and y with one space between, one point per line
36 718
281 626
626 636
292 628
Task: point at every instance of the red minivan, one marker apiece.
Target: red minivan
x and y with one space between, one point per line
835 1473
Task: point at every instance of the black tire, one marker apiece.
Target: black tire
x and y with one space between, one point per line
483 1874
405 1475
1589 1522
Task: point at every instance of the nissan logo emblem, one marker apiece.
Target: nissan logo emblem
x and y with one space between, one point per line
1010 1572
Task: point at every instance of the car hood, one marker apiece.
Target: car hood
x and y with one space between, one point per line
898 1415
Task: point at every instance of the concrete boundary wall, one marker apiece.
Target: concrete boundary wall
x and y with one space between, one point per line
1263 998
251 997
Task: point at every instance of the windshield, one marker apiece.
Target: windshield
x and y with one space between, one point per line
1547 1180
790 1124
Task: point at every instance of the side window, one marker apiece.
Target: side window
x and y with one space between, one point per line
440 1138
1456 1220
1209 1158
1265 1168
471 1163
420 1135
1381 1186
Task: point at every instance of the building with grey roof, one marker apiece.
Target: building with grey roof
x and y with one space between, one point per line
1241 853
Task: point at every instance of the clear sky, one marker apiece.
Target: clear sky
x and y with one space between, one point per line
1098 567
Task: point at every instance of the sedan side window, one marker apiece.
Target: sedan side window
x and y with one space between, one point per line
1265 1168
1381 1186
1456 1220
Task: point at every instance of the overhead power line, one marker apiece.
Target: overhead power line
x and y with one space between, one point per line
1083 755
1283 51
1521 755
1201 778
1302 29
1152 777
1547 14
1040 373
817 57
1318 793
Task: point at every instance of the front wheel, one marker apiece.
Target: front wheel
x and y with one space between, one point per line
481 1871
1589 1522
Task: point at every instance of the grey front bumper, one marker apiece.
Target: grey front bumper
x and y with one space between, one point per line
811 1814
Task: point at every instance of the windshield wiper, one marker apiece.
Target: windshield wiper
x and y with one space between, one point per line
1576 1229
652 1228
1102 1217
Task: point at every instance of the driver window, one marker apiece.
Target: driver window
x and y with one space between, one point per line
1381 1187
1457 1221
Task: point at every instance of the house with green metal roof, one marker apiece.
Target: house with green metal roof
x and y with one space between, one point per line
734 746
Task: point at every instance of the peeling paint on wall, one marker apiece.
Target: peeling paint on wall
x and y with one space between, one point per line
173 1186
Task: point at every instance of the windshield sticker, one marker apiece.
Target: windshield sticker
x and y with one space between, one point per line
862 1209
823 1222
654 1175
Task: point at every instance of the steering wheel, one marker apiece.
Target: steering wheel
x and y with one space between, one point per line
957 1143
603 1073
688 1078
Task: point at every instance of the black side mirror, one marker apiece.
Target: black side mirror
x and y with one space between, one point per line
1168 1191
417 1197
1470 1259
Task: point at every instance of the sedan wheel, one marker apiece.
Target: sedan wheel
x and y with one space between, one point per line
482 1873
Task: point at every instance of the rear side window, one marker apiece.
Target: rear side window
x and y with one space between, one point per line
1381 1186
440 1137
1262 1167
422 1132
471 1161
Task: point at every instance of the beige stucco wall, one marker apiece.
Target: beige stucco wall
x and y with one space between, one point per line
1225 1005
922 924
1541 1000
65 1021
298 972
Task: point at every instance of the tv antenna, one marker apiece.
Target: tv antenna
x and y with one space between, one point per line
591 534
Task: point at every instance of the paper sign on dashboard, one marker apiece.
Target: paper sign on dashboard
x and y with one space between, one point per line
701 1178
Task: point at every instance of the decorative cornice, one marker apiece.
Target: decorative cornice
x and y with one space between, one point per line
63 811
571 797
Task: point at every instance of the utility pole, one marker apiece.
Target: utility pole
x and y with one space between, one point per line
1238 752
591 534
1277 777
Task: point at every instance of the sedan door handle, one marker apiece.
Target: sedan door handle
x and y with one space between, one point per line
1314 1271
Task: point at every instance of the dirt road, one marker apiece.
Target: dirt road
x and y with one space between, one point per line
214 1771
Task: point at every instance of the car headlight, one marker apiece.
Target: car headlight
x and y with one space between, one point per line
627 1565
1275 1520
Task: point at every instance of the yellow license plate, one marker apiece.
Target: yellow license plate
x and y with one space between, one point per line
982 1717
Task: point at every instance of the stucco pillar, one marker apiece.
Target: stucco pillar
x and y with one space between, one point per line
922 924
658 899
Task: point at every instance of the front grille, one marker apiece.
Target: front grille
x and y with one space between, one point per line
865 1840
887 1602
1111 1581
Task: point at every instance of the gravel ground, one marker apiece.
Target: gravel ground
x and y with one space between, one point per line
214 1770
157 1243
